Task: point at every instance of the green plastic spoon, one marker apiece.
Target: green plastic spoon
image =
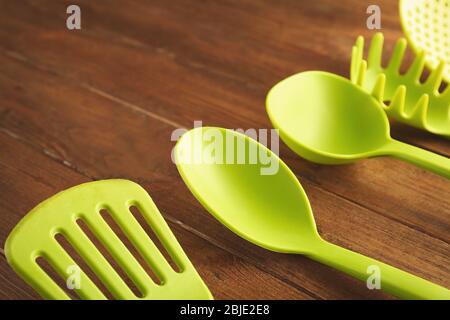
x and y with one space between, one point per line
327 119
272 210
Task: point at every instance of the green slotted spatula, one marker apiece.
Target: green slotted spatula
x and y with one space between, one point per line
35 236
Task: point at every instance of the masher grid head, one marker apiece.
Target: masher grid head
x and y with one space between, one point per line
426 24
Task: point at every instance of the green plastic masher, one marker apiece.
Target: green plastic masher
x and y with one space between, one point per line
272 210
34 237
418 104
328 119
426 24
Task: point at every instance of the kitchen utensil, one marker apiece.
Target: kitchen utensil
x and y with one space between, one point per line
327 119
34 237
423 105
273 211
426 24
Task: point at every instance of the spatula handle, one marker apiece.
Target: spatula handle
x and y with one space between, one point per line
420 157
392 280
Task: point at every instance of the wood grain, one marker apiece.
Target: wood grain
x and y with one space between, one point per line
102 102
12 288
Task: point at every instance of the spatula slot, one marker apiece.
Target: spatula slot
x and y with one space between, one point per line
88 231
106 215
82 264
57 278
442 87
165 250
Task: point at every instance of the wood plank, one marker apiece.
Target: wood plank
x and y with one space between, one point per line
11 287
162 50
29 177
192 61
212 78
48 99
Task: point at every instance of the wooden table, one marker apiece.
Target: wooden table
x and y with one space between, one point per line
102 102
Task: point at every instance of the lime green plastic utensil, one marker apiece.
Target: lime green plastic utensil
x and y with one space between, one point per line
273 211
426 24
34 237
327 119
417 104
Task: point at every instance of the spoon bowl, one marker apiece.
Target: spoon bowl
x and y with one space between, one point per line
351 129
285 224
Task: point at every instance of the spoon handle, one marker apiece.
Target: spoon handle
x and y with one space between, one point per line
392 280
420 157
